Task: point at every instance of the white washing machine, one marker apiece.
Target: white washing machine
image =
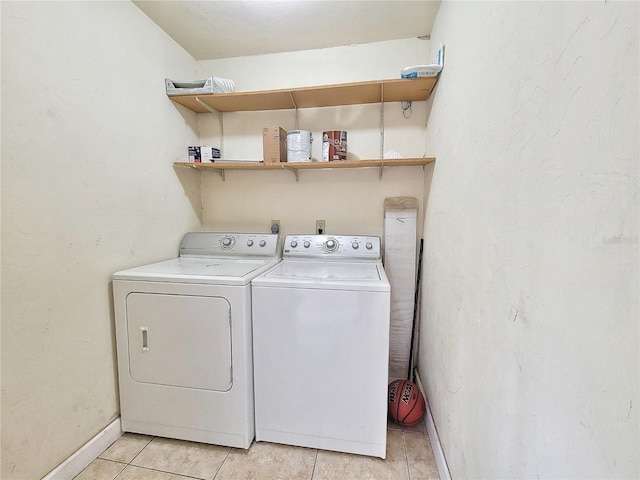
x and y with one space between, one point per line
321 345
184 340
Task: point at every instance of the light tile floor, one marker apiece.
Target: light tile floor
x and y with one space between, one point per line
141 457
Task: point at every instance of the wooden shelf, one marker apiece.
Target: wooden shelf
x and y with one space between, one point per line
220 167
379 91
396 90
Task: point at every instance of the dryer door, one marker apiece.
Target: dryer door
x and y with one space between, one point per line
179 340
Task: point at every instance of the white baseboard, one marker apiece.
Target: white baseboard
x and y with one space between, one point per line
438 453
81 459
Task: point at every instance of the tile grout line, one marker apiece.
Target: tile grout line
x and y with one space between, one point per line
225 459
134 457
406 457
315 462
160 471
142 450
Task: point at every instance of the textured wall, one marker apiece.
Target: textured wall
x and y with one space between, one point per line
529 346
88 188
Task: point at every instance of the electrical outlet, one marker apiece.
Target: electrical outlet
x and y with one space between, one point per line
275 226
320 230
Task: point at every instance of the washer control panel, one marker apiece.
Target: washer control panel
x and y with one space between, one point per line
334 246
217 244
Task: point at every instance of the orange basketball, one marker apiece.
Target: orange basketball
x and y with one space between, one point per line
406 403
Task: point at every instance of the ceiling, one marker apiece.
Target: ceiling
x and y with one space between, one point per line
236 28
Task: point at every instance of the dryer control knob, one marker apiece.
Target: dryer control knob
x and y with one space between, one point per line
249 243
369 245
307 244
262 243
331 245
355 245
294 244
227 242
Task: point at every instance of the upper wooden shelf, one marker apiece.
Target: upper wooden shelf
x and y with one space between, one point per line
396 90
294 167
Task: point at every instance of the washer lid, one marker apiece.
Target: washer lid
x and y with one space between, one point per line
319 274
207 270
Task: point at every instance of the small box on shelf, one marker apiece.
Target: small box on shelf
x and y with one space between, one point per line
204 154
210 154
274 145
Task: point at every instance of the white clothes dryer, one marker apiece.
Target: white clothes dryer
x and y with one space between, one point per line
184 339
321 345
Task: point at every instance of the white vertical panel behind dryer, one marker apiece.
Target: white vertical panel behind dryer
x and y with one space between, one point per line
400 223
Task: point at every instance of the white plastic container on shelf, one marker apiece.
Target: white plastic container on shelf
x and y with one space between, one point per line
432 70
299 146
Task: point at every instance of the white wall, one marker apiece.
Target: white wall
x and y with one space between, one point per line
353 63
529 343
88 188
351 201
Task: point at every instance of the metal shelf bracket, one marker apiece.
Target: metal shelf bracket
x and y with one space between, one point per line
205 106
295 171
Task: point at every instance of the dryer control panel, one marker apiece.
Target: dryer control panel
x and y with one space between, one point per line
333 246
202 244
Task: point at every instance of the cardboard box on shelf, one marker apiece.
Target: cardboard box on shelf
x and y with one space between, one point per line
274 145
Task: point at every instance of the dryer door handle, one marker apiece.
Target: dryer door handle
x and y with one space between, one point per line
144 333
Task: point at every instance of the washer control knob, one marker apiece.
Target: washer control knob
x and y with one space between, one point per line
307 244
249 243
369 245
355 245
262 243
294 244
227 242
331 245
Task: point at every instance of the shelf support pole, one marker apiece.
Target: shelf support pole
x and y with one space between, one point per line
381 123
293 101
221 135
213 110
